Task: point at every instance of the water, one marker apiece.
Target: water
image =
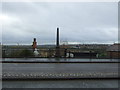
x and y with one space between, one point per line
53 59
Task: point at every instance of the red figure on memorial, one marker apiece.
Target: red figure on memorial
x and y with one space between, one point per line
34 44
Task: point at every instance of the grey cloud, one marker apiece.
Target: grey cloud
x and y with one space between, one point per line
80 22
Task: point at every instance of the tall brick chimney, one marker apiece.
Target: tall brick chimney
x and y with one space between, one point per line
57 45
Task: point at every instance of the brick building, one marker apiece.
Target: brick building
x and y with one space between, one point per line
114 51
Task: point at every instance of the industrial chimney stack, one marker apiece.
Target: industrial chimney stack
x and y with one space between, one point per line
57 45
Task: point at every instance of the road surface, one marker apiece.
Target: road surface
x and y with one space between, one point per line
60 70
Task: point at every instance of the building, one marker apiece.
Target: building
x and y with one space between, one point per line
87 54
114 51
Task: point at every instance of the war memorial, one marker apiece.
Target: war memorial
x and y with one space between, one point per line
59 45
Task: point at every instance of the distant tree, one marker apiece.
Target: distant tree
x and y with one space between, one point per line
103 55
26 53
3 54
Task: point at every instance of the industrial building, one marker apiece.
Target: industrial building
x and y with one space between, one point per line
114 51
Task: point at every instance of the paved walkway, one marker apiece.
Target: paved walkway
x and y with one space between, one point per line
59 70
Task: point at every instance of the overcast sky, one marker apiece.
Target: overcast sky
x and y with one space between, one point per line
80 22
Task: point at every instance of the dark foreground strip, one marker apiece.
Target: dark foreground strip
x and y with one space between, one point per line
60 88
57 62
100 78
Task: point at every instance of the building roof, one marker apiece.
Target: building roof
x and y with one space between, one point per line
114 47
